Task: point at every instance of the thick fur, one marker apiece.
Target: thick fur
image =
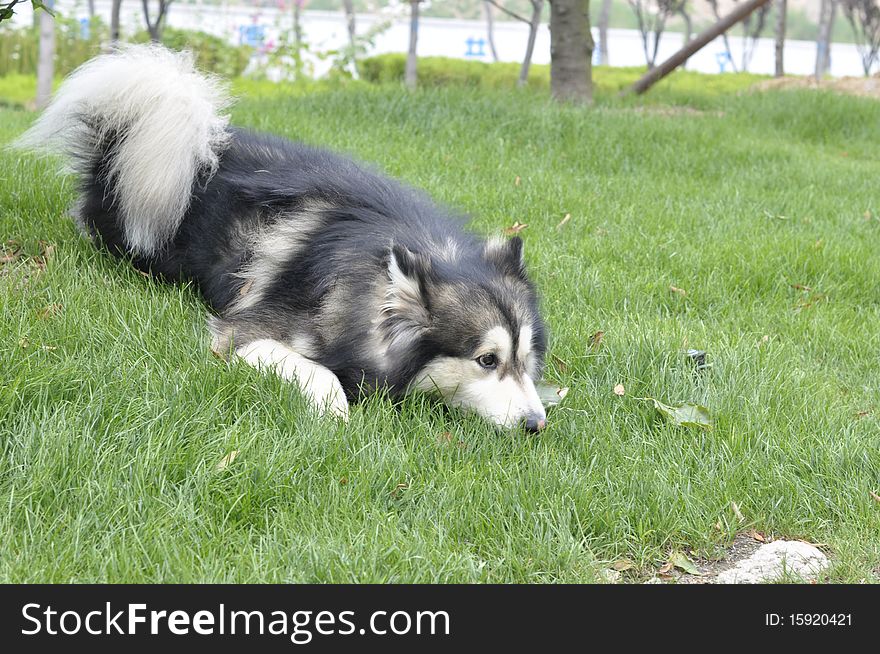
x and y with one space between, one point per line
312 264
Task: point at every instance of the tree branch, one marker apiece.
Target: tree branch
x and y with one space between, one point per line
508 12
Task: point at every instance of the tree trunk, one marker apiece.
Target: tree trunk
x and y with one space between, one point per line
91 8
410 76
490 29
534 24
781 10
46 61
705 37
571 51
114 21
823 42
604 17
350 26
155 27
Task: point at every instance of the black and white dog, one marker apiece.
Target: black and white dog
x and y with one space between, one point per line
332 276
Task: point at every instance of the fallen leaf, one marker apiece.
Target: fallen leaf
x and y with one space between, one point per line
680 291
764 340
227 460
666 568
596 339
23 342
246 287
862 414
517 181
343 481
47 250
49 311
875 496
686 415
619 390
801 287
757 535
562 365
563 221
397 489
551 395
682 562
445 438
737 512
515 228
621 565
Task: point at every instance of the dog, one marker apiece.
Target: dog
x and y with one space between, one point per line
316 268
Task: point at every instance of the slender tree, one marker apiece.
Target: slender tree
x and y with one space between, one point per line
46 60
864 18
651 17
827 11
534 23
114 20
410 75
604 17
781 10
154 27
490 28
348 6
571 51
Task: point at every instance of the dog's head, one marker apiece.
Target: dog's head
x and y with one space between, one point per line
470 321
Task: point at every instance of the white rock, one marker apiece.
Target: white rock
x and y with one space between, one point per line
609 576
773 561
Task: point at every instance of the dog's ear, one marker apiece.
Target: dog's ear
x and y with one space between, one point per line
406 308
506 255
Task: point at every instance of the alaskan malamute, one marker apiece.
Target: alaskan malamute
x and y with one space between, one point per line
317 269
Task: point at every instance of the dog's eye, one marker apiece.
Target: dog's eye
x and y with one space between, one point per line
488 361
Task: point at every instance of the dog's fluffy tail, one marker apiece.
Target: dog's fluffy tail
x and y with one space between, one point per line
154 126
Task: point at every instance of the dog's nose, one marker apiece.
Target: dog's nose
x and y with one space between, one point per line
534 423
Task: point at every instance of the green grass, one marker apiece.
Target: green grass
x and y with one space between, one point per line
110 436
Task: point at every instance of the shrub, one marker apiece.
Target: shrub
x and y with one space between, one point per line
19 48
74 45
443 71
213 54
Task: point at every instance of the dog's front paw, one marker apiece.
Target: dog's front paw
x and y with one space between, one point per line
325 393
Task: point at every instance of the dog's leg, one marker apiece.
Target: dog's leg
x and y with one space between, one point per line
316 382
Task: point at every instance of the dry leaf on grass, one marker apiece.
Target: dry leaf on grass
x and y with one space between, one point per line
515 228
49 310
737 512
562 365
227 460
622 565
563 221
682 562
685 415
517 181
550 395
680 291
596 339
619 390
875 496
757 535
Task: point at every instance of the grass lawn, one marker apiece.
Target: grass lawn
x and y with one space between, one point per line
764 209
